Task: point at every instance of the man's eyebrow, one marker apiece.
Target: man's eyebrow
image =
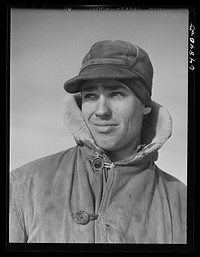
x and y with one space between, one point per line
90 88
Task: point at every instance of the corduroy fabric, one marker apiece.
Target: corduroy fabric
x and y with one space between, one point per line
118 60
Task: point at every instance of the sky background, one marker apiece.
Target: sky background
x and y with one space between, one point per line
47 48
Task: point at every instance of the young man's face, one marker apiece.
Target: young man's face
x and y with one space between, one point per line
112 112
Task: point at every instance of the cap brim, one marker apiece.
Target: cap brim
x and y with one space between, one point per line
101 72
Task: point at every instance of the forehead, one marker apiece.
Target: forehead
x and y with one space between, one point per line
110 85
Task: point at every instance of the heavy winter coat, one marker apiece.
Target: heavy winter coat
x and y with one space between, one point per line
79 195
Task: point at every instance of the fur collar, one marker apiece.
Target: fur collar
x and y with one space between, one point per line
156 129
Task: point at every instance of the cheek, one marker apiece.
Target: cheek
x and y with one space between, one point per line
131 117
86 111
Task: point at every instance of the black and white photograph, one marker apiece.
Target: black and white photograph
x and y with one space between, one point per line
98 125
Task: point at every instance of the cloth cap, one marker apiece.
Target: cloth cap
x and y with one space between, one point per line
119 60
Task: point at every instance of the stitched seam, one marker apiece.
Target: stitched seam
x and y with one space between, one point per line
168 201
107 192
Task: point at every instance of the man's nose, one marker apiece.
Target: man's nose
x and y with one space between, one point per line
102 108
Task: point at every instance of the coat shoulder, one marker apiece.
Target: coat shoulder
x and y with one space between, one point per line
171 180
175 189
44 164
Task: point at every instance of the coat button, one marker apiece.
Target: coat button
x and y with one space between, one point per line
82 217
97 164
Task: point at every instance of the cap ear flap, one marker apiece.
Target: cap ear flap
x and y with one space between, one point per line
146 110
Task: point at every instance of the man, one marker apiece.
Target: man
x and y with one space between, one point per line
107 189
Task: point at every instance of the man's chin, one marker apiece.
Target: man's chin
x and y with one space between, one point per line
107 146
107 142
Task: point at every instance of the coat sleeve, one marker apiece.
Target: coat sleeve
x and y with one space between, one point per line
17 233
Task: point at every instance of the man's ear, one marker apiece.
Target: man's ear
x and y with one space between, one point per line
146 110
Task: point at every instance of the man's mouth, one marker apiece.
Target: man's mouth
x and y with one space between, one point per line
104 127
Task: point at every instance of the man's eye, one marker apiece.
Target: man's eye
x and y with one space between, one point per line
117 94
90 96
